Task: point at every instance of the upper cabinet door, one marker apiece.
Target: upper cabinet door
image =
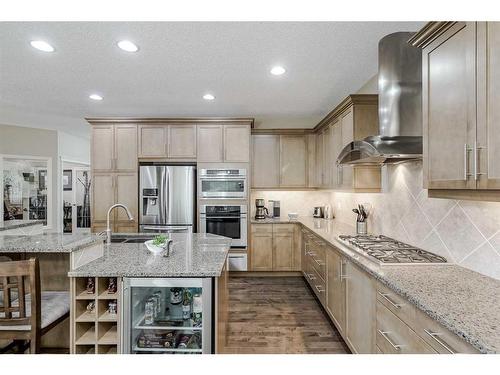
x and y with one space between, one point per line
293 161
237 143
210 143
312 181
103 195
347 123
126 193
336 149
319 159
266 161
102 148
182 141
449 108
126 147
328 156
345 172
488 115
152 141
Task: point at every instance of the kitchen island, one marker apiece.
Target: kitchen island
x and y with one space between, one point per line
133 301
57 254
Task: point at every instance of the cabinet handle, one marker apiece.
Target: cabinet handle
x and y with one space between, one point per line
384 335
342 276
477 173
319 288
319 263
435 337
385 296
466 161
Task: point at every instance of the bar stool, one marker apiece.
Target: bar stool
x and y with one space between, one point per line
28 314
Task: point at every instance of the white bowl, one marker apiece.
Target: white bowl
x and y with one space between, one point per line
154 249
293 216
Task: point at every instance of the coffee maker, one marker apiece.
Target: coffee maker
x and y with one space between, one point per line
260 209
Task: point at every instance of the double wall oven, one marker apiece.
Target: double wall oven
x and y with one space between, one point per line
225 217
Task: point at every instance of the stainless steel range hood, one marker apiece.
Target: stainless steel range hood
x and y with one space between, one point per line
400 107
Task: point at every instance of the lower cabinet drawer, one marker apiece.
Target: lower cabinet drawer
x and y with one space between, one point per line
440 338
318 285
395 337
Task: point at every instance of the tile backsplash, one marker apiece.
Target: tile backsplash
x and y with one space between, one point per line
465 232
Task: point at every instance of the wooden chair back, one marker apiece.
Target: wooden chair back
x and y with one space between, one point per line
20 276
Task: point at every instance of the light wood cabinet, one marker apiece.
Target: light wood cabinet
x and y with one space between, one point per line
236 143
488 113
280 161
108 189
312 180
152 140
360 310
449 113
283 247
395 337
272 247
293 161
182 141
460 89
102 148
354 119
261 247
320 159
210 143
114 147
125 147
103 195
266 161
411 330
371 317
335 281
126 193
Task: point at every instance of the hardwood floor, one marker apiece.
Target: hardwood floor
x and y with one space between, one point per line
277 315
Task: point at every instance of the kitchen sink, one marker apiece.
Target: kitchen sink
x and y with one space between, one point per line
130 239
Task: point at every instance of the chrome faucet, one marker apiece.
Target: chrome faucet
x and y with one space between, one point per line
108 228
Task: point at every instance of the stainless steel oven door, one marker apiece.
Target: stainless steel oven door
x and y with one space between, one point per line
234 227
223 187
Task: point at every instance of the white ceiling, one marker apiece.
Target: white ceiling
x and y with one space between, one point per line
177 63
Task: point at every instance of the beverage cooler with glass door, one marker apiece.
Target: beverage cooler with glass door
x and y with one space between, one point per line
167 315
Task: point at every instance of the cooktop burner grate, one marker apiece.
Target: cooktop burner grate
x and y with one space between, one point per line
390 251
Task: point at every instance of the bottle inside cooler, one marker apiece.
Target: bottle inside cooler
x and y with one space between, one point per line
166 319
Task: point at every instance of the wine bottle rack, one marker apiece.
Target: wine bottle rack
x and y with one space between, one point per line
96 332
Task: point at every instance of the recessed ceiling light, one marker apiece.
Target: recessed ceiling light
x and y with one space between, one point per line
208 97
95 97
42 46
128 46
277 70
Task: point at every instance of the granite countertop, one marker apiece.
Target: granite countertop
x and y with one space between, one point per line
14 224
464 301
272 220
192 255
47 243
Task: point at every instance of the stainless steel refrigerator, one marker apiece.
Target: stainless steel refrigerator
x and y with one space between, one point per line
167 198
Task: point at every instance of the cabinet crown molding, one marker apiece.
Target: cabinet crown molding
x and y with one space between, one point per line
171 120
344 104
429 33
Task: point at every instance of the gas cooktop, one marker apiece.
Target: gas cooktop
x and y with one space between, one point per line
390 251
